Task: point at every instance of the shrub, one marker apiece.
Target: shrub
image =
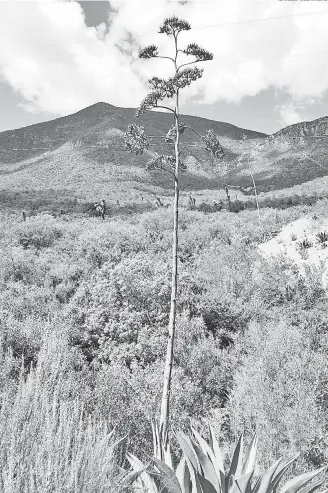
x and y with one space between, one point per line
47 440
38 233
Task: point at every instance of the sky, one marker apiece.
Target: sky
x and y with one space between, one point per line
270 66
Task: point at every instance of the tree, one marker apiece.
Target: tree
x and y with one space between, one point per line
137 141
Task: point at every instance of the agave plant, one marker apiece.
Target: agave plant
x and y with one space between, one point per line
322 237
202 470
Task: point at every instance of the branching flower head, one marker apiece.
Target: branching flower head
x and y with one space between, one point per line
201 54
165 87
136 140
173 25
164 161
212 144
186 76
149 102
150 51
172 133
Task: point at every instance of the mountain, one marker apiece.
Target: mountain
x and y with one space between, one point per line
83 154
294 155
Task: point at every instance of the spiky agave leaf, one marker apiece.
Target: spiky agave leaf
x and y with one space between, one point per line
206 485
165 478
295 484
312 487
144 474
191 460
183 475
244 483
216 449
250 457
207 467
265 482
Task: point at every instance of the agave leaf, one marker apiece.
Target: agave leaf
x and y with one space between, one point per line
183 475
208 450
216 449
166 478
168 456
188 450
156 440
131 477
310 488
265 484
237 459
249 463
207 467
145 475
206 486
280 471
224 483
191 460
295 484
243 484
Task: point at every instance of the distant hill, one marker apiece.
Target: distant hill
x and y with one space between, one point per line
84 154
294 155
71 153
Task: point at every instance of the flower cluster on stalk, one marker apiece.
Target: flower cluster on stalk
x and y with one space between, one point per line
195 50
164 161
212 144
166 88
172 133
136 140
173 25
150 51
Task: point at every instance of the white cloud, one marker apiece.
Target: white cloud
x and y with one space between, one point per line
290 113
84 65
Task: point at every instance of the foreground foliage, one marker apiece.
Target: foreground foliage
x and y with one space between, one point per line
202 470
251 331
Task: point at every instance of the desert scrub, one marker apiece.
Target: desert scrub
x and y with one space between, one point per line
38 232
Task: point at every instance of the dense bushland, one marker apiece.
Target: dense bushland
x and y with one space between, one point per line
83 315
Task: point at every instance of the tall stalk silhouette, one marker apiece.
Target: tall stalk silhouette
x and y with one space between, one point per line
137 141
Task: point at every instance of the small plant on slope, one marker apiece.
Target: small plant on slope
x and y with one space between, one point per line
321 237
304 244
202 470
137 141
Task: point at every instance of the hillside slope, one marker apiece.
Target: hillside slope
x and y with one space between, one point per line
84 153
294 155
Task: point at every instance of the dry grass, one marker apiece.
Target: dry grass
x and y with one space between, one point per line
47 441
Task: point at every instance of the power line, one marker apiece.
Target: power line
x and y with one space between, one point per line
226 24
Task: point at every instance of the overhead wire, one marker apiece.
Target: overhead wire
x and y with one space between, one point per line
210 26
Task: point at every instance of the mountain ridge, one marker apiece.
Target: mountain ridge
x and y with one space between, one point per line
85 152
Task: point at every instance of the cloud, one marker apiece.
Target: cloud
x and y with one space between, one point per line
290 113
58 64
